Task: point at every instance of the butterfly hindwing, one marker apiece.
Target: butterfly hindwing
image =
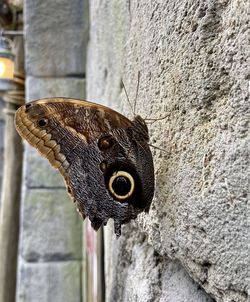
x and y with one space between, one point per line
103 156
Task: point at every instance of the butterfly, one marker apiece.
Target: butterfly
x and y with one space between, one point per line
104 157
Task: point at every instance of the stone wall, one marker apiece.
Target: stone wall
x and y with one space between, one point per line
50 256
194 62
1 144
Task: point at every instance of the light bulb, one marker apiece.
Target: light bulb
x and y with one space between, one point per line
6 68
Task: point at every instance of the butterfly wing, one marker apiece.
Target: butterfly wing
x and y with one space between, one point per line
99 152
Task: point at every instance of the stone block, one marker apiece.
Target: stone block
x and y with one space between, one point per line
2 105
2 123
193 60
53 281
157 278
1 135
178 286
50 87
56 37
38 173
1 153
51 227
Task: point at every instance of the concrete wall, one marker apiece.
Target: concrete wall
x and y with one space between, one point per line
194 62
50 256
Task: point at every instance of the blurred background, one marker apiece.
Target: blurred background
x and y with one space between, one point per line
193 57
46 252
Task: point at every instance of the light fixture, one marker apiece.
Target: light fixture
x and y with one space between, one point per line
6 59
6 65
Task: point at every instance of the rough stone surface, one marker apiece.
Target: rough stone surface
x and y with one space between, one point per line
147 276
194 62
51 227
105 51
56 37
38 171
64 279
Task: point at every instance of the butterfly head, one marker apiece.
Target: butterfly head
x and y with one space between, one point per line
141 128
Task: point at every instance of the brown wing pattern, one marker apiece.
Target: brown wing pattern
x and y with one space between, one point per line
80 121
104 157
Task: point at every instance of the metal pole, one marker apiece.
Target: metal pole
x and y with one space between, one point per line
11 189
10 205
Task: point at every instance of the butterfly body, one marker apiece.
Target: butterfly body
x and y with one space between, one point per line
104 157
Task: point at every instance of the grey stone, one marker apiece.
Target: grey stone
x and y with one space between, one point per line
2 123
50 253
2 105
178 286
56 37
1 135
194 62
50 87
51 227
64 279
147 276
36 167
109 32
38 173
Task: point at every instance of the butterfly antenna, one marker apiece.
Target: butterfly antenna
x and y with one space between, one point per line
163 150
153 120
130 105
137 89
129 8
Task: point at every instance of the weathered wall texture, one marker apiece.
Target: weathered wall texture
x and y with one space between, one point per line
50 257
194 62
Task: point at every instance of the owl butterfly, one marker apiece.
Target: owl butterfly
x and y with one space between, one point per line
104 157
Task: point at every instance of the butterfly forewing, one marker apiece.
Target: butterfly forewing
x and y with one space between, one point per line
97 150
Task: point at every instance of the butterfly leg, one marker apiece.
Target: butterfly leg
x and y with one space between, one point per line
117 226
